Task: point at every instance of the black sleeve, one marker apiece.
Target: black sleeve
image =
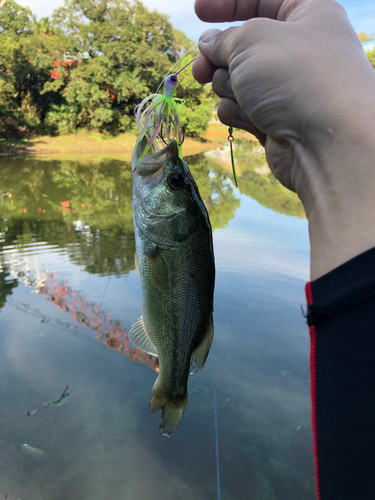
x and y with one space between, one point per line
341 314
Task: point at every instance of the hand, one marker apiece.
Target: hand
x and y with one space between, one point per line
298 79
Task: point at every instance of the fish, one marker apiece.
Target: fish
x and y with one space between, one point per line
175 263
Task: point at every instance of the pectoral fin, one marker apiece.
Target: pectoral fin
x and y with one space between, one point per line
200 353
139 337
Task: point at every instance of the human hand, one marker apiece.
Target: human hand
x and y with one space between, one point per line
299 81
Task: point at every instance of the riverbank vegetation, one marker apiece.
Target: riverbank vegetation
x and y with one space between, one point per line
87 68
89 65
94 146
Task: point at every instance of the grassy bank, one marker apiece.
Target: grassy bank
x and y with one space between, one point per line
95 146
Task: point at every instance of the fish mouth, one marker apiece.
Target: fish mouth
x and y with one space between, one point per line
150 164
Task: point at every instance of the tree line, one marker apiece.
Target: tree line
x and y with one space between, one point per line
364 37
88 66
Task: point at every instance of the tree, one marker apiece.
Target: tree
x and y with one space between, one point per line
371 57
122 53
15 27
364 37
28 48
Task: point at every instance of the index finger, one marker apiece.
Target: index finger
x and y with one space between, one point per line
217 11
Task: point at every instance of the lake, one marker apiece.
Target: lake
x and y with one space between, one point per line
75 391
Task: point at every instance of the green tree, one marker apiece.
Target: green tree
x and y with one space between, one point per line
200 101
15 21
122 53
28 49
364 37
371 57
124 50
6 284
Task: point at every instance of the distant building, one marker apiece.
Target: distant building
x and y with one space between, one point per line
369 46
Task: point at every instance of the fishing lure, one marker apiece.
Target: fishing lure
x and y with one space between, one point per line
158 117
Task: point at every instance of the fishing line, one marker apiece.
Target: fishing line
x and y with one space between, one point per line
230 129
114 263
217 451
101 302
183 55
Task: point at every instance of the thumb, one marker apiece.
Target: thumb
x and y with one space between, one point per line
215 46
221 47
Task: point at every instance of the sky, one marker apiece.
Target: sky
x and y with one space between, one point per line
181 12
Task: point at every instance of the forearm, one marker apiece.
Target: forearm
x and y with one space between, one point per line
340 201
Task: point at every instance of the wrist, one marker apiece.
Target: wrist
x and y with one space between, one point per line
340 195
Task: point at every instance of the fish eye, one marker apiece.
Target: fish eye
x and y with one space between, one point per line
176 181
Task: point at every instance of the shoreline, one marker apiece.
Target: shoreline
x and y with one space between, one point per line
96 147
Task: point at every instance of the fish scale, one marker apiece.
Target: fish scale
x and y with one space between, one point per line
176 266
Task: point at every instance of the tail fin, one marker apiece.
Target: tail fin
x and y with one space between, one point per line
171 411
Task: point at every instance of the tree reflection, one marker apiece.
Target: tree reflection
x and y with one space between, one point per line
6 284
259 183
86 207
215 189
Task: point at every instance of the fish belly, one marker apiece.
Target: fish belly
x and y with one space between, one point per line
177 314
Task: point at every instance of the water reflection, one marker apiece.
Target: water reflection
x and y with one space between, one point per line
6 284
87 207
65 227
256 179
108 330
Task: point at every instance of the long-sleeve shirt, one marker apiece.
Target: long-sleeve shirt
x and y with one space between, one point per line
341 319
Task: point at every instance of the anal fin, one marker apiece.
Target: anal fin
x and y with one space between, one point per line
139 337
200 353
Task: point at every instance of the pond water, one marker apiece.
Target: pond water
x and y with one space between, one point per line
75 391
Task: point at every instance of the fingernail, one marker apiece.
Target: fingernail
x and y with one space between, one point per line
229 86
208 35
243 117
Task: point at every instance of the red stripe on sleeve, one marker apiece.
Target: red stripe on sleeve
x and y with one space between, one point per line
309 298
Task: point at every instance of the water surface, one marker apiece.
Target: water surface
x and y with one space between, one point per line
69 293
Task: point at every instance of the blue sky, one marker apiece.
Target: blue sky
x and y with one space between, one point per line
361 13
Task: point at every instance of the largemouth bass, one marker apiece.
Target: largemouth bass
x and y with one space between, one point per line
175 263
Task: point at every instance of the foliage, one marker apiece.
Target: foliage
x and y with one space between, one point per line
28 49
121 51
6 284
371 57
263 187
86 207
200 101
364 37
